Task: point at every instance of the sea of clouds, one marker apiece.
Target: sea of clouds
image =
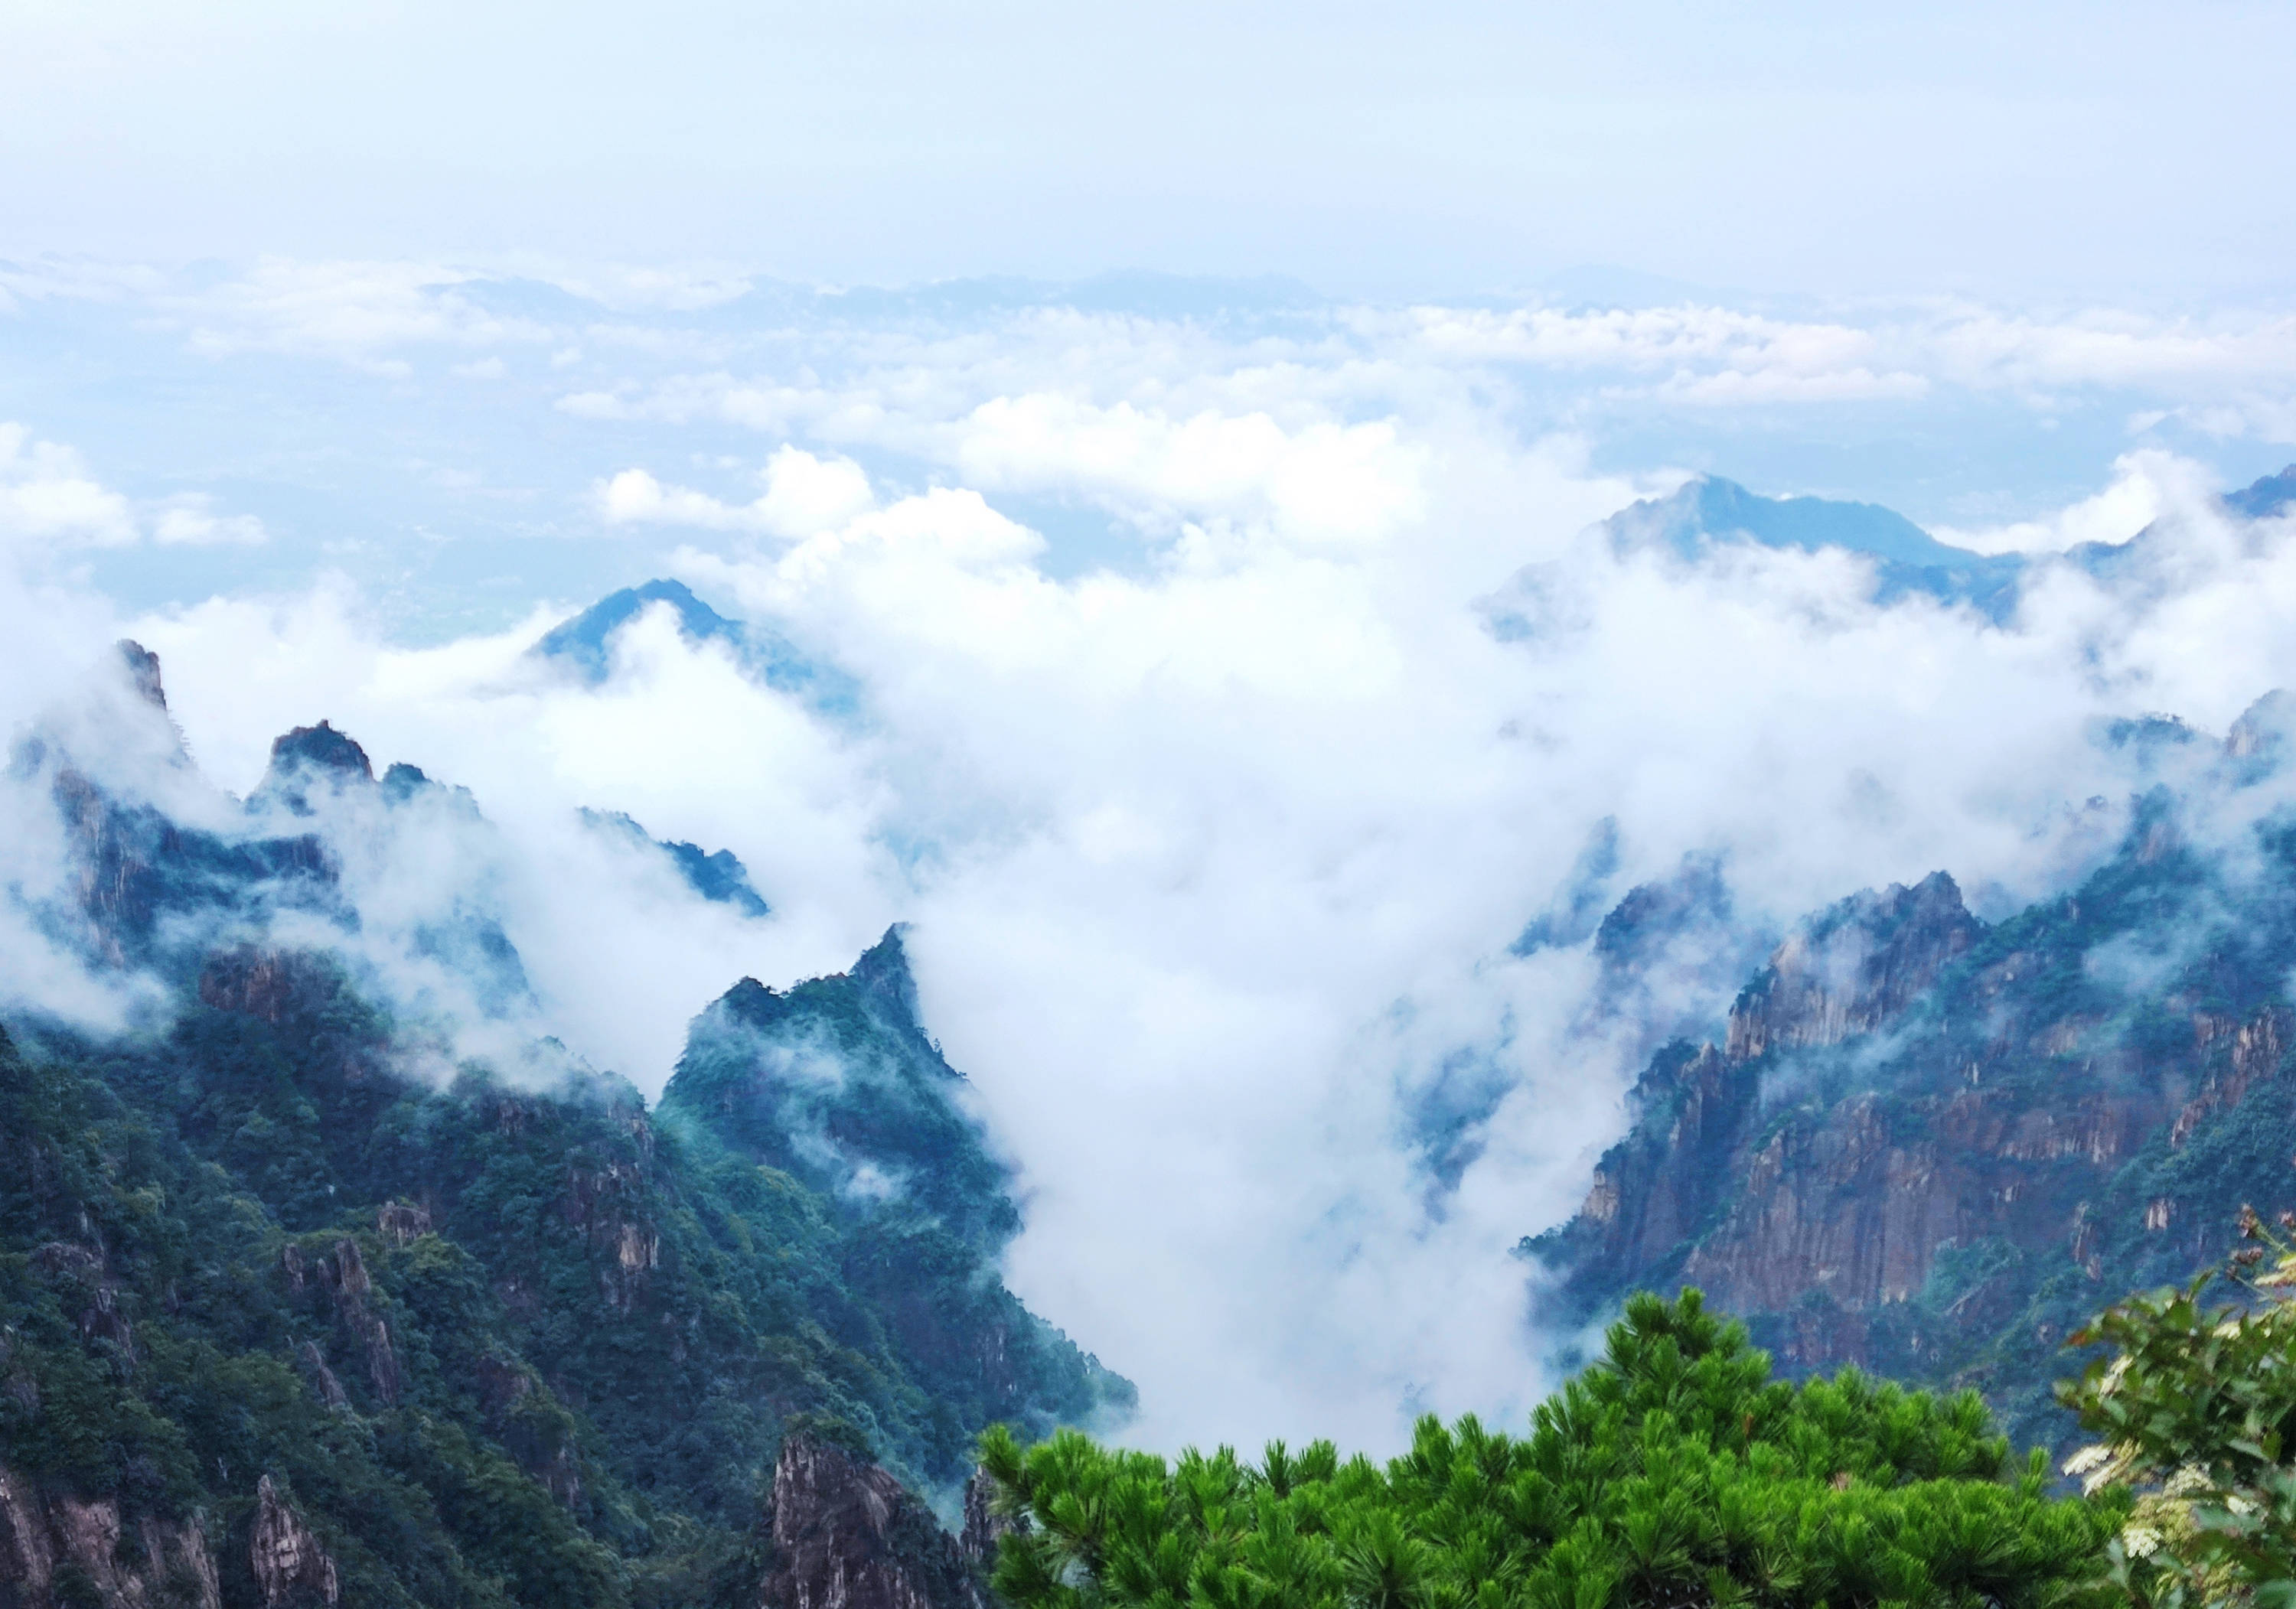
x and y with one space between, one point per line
1184 742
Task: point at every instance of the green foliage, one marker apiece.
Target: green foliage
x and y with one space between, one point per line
2196 1408
1674 1470
505 1345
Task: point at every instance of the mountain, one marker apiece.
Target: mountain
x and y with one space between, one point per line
2266 498
2133 561
1709 510
304 1302
716 875
583 643
583 646
1932 1147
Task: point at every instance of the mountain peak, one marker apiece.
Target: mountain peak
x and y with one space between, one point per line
320 747
716 875
143 672
1709 510
883 970
306 755
1712 509
582 641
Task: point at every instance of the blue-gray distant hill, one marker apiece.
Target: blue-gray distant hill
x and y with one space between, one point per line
584 645
716 875
1710 511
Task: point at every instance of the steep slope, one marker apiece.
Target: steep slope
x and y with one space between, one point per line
717 875
837 1084
296 1305
1933 1147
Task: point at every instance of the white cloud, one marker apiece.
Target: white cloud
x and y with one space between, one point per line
803 494
48 497
2145 485
2108 348
1214 857
354 312
50 502
1213 868
189 520
1322 480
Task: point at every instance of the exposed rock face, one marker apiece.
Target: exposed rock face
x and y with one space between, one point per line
1930 1147
1841 1209
625 1247
402 1222
343 1273
847 1536
290 1567
130 865
55 1548
984 1527
1853 969
311 757
1653 1192
329 1388
144 673
272 985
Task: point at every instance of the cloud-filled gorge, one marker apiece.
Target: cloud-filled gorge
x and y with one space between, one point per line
1214 844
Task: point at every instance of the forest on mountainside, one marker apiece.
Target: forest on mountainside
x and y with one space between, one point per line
1931 1146
492 1343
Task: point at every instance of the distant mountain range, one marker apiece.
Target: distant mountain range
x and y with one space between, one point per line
1709 512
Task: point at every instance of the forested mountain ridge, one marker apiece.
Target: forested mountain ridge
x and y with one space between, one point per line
298 1306
1932 1146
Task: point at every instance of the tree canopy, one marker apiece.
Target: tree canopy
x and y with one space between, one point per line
1675 1471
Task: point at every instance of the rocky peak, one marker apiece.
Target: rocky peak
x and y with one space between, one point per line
846 1535
310 755
884 971
836 1082
2255 742
293 1571
583 643
143 672
320 747
1854 968
985 1524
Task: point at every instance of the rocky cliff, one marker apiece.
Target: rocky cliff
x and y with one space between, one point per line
1931 1146
62 1552
846 1536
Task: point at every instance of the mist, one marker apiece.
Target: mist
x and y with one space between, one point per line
1233 690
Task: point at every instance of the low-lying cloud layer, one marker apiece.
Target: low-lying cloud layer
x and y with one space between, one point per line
1215 855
